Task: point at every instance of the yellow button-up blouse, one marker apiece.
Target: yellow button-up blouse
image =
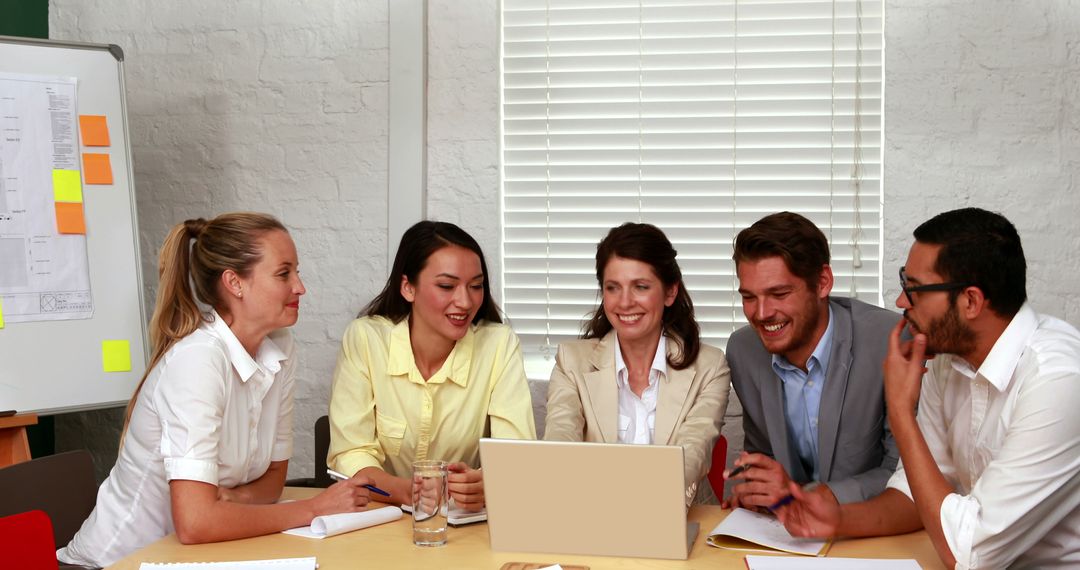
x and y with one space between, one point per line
384 414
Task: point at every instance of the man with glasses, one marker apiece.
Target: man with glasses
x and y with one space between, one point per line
807 370
991 463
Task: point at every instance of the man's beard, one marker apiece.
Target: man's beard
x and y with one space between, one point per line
947 334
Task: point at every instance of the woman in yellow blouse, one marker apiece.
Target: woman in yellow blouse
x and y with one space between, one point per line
427 370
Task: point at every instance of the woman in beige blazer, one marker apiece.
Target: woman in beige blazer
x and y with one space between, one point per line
640 373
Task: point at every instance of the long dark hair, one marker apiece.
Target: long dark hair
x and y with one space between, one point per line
647 244
417 244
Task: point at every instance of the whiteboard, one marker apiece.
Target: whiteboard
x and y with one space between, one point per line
55 366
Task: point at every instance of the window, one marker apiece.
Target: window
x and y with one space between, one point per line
697 116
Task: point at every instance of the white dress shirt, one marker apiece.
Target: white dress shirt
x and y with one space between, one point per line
1007 436
207 412
637 416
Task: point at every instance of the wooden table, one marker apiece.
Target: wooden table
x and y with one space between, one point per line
390 546
14 445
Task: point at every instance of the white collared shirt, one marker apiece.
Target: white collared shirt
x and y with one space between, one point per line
207 412
637 416
1007 437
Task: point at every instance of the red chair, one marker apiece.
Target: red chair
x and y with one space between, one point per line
719 463
26 542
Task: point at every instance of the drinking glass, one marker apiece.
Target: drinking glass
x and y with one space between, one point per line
429 495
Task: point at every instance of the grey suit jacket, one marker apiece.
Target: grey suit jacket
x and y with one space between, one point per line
856 451
583 402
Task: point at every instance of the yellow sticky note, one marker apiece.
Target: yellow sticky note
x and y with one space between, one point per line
96 168
95 131
1 314
70 218
116 355
66 186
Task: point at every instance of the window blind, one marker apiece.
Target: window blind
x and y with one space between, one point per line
698 116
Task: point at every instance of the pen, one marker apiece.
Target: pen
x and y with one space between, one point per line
738 470
340 477
787 499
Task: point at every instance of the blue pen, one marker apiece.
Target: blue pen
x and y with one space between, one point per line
340 477
787 500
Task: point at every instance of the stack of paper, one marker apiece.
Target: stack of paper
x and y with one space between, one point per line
278 564
798 563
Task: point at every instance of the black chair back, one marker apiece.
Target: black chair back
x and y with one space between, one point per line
62 485
322 447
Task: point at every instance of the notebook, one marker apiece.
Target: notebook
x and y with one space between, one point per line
755 532
586 498
457 516
331 525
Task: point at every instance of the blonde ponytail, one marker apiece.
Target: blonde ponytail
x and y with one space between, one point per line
229 241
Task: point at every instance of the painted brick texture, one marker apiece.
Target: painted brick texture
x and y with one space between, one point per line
282 107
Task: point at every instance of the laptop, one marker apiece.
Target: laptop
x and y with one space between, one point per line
586 498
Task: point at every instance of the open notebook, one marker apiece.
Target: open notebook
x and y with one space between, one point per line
755 532
457 516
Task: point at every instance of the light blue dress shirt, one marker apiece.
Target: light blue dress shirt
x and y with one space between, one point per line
802 398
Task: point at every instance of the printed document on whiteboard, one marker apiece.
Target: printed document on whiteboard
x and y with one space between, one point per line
44 275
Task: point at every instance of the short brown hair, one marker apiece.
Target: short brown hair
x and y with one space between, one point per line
787 235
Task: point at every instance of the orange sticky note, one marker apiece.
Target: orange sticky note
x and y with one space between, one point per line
96 168
69 218
95 132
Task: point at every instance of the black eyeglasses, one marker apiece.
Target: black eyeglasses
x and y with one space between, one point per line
951 286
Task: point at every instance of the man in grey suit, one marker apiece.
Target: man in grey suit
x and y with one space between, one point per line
807 370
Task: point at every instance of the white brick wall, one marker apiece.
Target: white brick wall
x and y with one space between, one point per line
282 107
274 106
981 109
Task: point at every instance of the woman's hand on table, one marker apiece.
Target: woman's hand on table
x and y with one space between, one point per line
466 486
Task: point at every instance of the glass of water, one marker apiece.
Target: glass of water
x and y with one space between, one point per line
429 495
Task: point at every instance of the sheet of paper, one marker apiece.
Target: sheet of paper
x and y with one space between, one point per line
97 168
116 355
70 218
276 564
804 563
332 525
762 530
46 273
66 186
94 130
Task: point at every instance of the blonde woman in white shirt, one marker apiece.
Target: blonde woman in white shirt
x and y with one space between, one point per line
208 433
641 374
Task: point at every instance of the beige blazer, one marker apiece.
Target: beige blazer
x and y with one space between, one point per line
583 402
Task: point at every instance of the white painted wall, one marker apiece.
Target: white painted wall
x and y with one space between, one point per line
281 107
982 108
274 106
